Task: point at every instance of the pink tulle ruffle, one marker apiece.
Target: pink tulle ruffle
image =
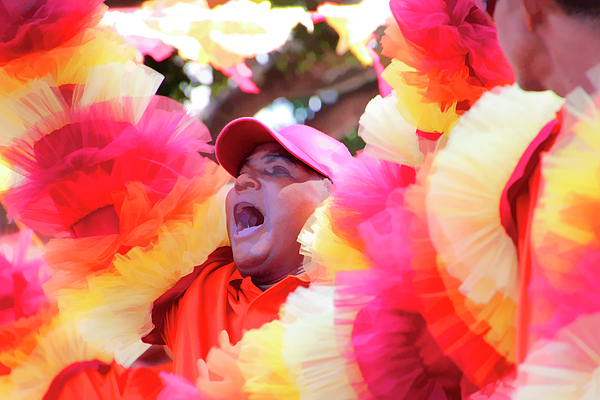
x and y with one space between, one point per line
84 166
21 293
362 191
398 357
453 47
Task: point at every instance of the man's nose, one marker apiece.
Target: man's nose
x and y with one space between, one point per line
246 181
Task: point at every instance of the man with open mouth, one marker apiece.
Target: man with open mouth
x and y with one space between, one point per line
280 179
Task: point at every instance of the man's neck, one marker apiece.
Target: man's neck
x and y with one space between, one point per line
264 284
574 49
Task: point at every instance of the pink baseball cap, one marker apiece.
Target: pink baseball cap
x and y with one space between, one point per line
314 148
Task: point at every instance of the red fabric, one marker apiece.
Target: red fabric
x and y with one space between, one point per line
71 372
103 221
213 299
117 384
523 207
520 177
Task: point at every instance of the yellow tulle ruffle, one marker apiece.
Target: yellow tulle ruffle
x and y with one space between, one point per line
116 307
327 249
413 107
313 349
39 108
261 364
562 229
66 64
476 257
55 351
22 337
73 260
303 355
387 134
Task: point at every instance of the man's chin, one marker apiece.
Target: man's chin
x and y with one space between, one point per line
530 85
247 262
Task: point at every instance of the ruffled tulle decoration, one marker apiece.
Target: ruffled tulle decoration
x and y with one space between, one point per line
467 349
26 310
388 136
20 281
446 56
64 166
113 92
313 351
67 63
140 220
116 306
331 237
300 356
399 358
578 295
261 364
476 277
325 249
563 228
565 368
30 27
55 351
362 192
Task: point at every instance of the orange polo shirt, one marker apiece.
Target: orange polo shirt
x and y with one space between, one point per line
215 297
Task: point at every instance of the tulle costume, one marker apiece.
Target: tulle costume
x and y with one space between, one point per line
42 354
380 335
111 172
493 250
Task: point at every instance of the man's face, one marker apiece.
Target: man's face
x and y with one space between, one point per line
521 43
269 204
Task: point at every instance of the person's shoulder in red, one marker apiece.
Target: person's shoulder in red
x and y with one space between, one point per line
281 177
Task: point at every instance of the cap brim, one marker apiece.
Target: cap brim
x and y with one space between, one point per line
240 137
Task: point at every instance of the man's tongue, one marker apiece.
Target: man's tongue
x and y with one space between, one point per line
250 217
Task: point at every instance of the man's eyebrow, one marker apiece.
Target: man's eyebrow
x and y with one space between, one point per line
269 158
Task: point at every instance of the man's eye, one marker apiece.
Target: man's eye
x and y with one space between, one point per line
277 170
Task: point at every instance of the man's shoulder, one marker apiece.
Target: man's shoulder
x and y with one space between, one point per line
218 259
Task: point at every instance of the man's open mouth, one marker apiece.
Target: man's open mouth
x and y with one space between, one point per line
247 219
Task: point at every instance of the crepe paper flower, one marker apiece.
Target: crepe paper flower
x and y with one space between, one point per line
355 24
29 27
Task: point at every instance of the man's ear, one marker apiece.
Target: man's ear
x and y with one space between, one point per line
536 11
533 13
